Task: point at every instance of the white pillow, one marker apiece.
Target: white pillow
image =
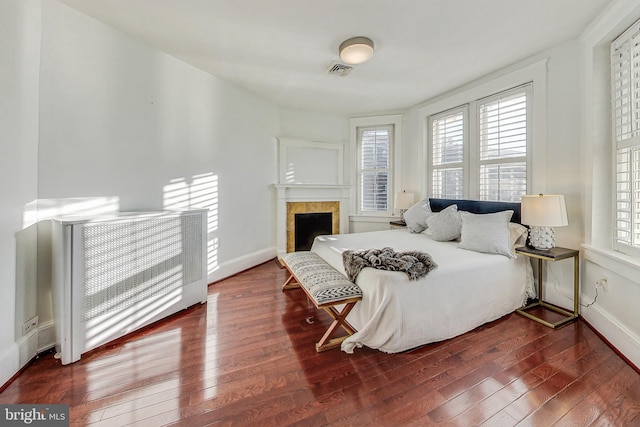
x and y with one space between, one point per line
416 216
487 233
445 225
518 234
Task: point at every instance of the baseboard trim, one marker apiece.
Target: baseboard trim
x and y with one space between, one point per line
242 263
622 341
17 357
46 336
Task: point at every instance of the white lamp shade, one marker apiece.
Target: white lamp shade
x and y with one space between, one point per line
404 200
356 50
544 210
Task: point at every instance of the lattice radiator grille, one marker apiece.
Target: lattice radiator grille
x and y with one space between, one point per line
129 261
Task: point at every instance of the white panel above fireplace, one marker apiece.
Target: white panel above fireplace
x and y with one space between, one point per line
309 162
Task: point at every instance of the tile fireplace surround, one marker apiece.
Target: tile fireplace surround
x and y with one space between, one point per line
294 208
305 198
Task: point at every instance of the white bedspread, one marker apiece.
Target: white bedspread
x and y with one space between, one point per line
466 290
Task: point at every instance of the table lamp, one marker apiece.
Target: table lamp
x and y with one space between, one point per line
542 212
404 201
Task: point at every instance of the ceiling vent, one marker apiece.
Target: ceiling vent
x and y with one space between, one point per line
339 69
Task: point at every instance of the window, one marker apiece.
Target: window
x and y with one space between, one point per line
625 85
374 168
376 152
487 158
447 167
502 132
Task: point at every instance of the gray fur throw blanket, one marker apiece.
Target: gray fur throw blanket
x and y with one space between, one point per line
416 264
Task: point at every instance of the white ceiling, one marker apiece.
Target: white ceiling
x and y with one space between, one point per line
281 49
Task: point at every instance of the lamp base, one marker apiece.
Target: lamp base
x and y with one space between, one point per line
542 238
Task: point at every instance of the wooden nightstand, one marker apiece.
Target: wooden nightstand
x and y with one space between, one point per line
552 255
397 224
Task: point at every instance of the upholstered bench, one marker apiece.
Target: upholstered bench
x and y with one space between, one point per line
326 287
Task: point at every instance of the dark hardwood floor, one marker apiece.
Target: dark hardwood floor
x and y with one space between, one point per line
247 357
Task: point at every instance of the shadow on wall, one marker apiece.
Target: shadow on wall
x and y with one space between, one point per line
199 192
45 209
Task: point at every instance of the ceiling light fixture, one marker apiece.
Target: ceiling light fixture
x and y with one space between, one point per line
356 50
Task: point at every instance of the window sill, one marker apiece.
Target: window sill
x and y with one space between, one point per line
373 218
624 265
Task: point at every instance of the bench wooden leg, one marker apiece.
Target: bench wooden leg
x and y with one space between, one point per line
339 320
291 282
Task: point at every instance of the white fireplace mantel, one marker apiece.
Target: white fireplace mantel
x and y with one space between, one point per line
308 193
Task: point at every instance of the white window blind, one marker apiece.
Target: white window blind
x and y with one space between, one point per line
625 85
503 136
481 150
375 168
447 154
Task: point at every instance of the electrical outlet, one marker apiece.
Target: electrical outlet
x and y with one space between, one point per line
602 283
30 325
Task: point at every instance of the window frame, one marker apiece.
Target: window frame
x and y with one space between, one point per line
472 162
535 72
361 170
395 183
527 88
464 110
628 139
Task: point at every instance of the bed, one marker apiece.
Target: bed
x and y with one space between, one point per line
467 289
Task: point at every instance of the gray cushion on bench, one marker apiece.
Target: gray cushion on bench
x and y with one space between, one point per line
324 283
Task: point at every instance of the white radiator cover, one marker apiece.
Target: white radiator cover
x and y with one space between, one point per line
116 274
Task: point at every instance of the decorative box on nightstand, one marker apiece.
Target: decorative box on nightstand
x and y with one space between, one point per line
552 255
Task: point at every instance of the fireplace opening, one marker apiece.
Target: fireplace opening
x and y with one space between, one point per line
310 225
328 209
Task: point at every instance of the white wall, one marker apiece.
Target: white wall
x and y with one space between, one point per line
313 126
121 119
19 46
615 314
413 156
